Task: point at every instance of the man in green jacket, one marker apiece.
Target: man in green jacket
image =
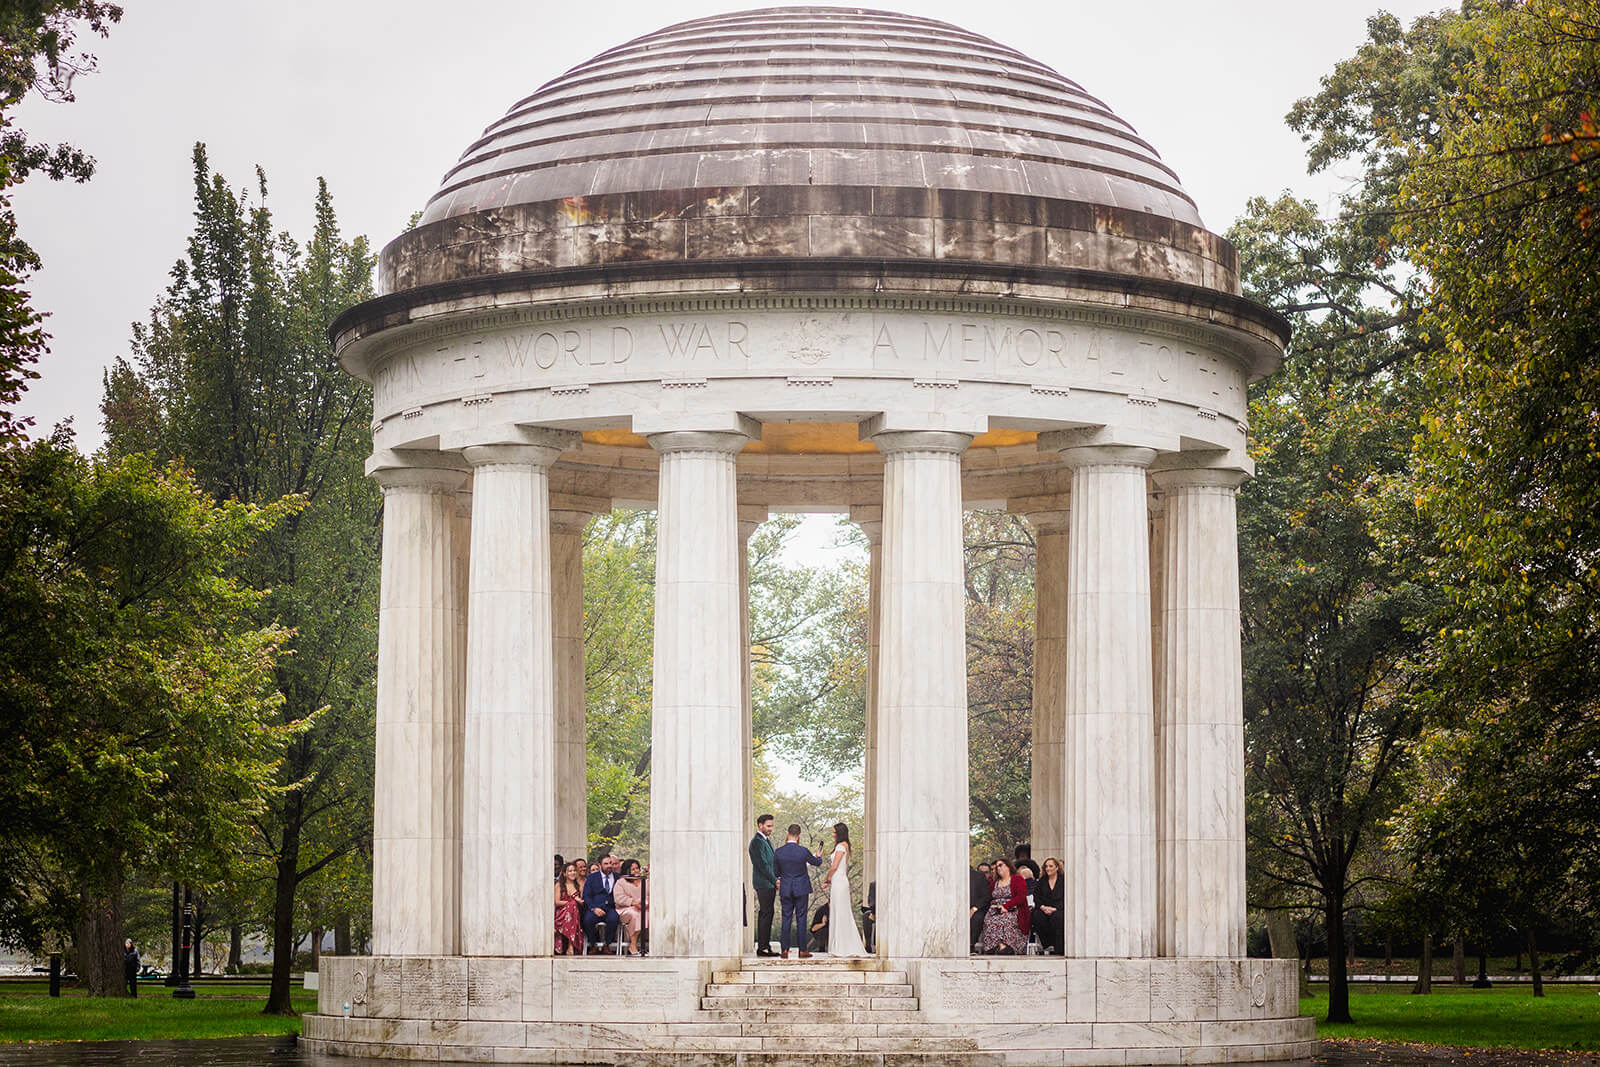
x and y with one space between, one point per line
765 878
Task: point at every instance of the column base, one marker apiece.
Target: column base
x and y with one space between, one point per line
988 1011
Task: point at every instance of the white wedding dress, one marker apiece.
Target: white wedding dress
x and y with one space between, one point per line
843 937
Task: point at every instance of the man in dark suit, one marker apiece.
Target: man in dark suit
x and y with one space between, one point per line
979 903
764 877
794 889
600 919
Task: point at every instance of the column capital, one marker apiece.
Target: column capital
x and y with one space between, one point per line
542 450
1050 522
391 465
1199 477
870 518
1079 456
947 441
511 436
669 441
570 514
750 517
442 480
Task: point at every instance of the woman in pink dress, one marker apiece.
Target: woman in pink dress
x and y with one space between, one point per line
569 899
628 896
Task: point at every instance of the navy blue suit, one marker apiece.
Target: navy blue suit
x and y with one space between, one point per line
602 928
794 889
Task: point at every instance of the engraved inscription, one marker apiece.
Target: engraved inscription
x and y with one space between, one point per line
1091 353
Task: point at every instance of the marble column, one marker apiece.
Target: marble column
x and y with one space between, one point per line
508 802
1049 778
1110 751
572 763
1201 896
697 839
923 822
416 847
873 528
749 519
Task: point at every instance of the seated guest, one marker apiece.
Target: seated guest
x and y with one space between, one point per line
1025 865
1049 896
628 895
819 929
869 915
600 919
1005 928
979 901
569 908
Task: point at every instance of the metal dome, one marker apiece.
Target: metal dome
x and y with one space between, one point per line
811 96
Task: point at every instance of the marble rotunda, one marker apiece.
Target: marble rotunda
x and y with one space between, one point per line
817 259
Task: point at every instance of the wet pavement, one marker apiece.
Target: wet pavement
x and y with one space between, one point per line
282 1052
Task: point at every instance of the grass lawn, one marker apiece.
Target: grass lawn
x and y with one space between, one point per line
27 1013
1567 1017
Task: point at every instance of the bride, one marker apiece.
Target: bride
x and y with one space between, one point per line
843 937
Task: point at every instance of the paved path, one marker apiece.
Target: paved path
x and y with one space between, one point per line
281 1052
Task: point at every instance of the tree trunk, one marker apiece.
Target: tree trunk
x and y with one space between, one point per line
1458 962
235 948
99 942
283 939
341 935
1533 964
1388 951
1425 966
1518 968
1482 981
1338 977
316 948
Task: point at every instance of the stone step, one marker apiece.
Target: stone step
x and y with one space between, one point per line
818 1045
778 991
731 1009
804 972
857 963
810 1003
808 1058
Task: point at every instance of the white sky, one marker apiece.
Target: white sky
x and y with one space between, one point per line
381 96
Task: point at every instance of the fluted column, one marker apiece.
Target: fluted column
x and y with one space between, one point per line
749 519
572 763
508 814
1201 726
697 710
1049 778
923 823
1110 746
873 528
416 847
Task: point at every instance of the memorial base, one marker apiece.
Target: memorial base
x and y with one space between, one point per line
944 1012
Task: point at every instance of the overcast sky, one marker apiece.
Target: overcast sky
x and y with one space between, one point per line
381 96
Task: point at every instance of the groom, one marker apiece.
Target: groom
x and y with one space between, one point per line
794 889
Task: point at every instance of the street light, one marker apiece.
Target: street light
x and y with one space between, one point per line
183 992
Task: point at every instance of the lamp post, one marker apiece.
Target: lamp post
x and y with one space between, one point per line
183 992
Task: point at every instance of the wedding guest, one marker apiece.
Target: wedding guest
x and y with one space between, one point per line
869 916
819 929
569 903
628 895
1005 928
1025 865
600 920
561 865
1049 897
980 890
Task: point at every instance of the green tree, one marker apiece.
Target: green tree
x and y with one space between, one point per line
137 703
1330 618
38 53
234 373
1498 211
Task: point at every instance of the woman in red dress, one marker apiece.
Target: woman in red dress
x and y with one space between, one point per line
569 901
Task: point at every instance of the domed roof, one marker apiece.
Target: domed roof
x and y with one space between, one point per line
811 96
